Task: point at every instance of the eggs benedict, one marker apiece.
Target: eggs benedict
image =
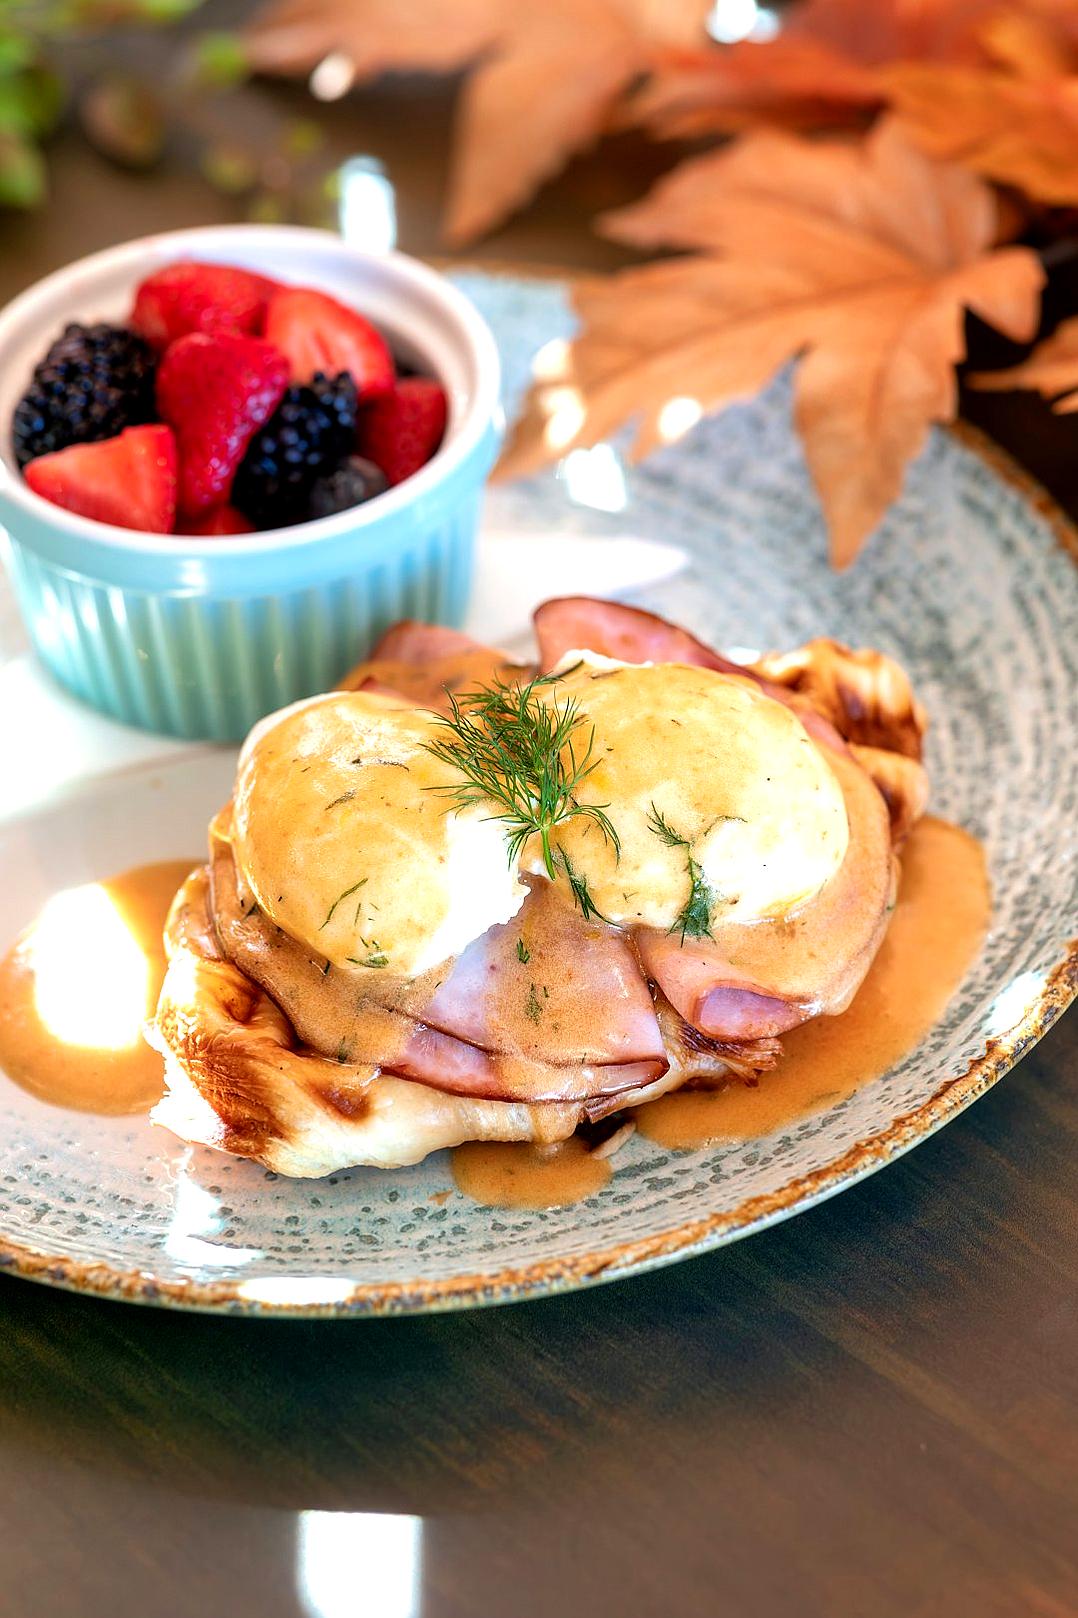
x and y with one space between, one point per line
505 907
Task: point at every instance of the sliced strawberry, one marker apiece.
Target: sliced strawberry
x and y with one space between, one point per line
216 391
401 432
188 297
129 481
319 334
221 520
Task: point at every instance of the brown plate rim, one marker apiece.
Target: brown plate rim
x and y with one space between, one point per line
690 1239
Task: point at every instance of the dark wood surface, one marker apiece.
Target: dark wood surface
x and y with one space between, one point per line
869 1411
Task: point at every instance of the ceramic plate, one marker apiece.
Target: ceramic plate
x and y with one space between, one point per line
971 583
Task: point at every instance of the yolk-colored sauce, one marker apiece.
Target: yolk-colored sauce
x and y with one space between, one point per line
937 928
503 1174
77 987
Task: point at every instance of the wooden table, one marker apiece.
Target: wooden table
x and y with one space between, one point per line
869 1411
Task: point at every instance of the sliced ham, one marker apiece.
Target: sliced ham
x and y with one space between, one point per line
757 980
239 1081
422 662
584 623
550 985
415 643
573 1021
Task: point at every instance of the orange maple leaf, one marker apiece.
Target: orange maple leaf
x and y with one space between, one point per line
857 260
1051 370
797 83
1015 120
821 70
544 80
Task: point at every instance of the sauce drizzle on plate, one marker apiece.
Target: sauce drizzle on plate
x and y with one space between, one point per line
939 923
507 1174
77 986
936 930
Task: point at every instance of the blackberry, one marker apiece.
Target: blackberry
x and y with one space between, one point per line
312 428
93 382
353 482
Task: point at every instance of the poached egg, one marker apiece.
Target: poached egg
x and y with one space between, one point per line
694 765
344 828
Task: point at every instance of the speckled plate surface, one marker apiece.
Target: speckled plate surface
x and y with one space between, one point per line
971 583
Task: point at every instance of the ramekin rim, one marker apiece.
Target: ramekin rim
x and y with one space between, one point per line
464 439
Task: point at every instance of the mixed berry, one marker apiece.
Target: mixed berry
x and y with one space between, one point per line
227 404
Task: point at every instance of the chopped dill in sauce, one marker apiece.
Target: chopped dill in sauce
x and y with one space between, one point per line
694 918
347 894
375 958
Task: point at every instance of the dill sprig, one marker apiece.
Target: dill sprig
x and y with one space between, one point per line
694 918
578 883
664 831
527 756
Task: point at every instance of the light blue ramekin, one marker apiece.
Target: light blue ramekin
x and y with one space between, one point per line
201 637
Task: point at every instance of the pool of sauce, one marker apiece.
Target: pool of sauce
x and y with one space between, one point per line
939 923
77 986
507 1174
937 928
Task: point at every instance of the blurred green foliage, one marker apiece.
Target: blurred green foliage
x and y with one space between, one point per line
58 57
32 90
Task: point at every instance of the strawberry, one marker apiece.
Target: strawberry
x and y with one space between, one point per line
188 297
220 521
401 432
317 333
129 481
216 391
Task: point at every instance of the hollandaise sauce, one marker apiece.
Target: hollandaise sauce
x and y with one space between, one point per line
77 987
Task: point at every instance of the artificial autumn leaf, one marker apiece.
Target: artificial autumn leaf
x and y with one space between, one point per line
857 260
544 82
1051 370
1016 120
822 69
